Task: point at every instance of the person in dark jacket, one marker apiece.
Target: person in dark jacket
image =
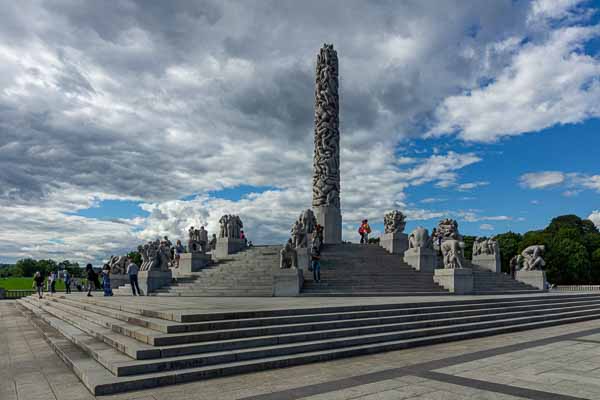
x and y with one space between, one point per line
38 283
92 279
316 263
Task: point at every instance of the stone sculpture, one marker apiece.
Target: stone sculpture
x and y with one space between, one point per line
419 238
326 161
394 222
447 229
309 221
198 240
213 242
483 246
452 253
156 255
288 256
118 265
531 258
298 234
230 226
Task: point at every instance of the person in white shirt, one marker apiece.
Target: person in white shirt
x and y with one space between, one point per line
132 271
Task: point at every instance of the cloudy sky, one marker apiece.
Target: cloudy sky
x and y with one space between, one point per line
124 120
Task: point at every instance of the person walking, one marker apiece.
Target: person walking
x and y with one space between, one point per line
67 279
92 279
364 231
106 280
179 250
52 281
132 271
316 263
38 283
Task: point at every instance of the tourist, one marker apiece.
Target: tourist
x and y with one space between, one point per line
132 271
243 237
67 279
316 263
106 280
213 242
364 231
319 236
92 279
52 281
179 249
38 283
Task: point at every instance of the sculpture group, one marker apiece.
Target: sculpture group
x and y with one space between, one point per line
305 231
230 226
156 255
530 259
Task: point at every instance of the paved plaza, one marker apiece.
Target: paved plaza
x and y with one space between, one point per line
561 362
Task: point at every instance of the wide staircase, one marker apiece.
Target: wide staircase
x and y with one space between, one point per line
114 347
248 273
487 282
368 270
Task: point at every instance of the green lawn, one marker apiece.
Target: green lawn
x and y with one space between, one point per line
24 284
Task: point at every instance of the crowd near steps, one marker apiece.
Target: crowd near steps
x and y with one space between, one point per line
113 347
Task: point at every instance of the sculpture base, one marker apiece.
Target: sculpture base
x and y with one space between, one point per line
117 280
457 281
192 262
536 279
226 246
421 259
149 281
303 254
489 262
395 243
287 282
330 218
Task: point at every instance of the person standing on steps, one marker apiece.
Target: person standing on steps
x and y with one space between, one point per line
179 250
315 255
132 272
67 279
364 231
106 280
52 281
91 279
38 283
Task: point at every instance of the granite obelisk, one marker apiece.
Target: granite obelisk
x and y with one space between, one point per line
326 162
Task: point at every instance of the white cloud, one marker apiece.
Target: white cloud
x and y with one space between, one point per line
471 185
540 180
430 200
595 218
574 181
531 93
486 227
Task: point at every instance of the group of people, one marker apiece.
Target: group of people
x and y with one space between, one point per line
93 280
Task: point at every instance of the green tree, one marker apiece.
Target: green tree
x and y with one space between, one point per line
468 250
136 257
28 266
509 247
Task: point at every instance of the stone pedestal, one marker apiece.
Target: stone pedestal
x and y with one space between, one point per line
395 243
421 258
226 246
193 262
151 280
536 279
457 281
116 280
287 282
303 254
490 262
331 220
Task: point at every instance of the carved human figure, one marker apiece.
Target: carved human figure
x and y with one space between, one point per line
394 222
288 258
298 234
452 253
223 222
532 258
326 176
309 221
213 242
419 238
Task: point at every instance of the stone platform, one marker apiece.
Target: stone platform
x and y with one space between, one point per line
128 343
